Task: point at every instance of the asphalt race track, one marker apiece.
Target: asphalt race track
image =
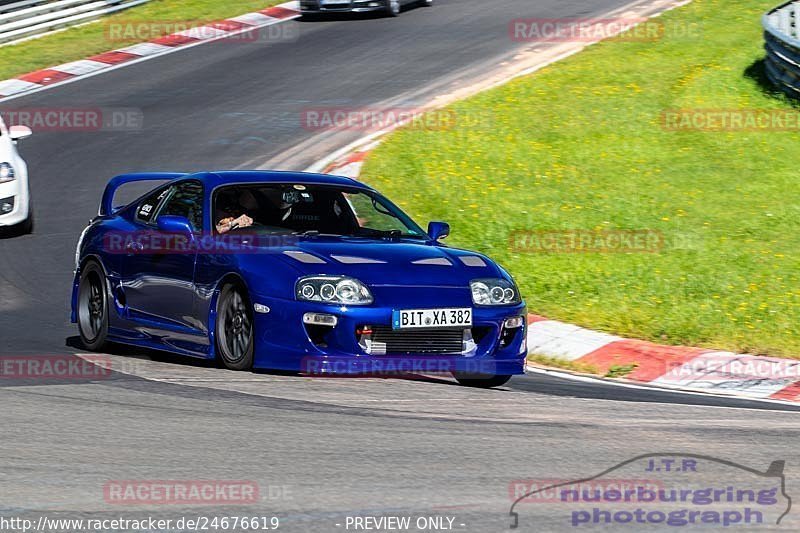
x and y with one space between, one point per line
320 449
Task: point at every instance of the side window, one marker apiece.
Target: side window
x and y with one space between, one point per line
186 200
147 209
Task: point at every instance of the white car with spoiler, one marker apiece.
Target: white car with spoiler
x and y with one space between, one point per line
15 206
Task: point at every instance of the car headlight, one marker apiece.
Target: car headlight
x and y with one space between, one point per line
333 289
492 291
6 172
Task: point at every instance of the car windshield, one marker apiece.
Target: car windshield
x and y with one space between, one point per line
310 210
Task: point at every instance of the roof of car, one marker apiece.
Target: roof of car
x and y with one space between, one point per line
218 178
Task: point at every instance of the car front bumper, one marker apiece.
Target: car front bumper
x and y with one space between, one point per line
284 342
341 6
11 192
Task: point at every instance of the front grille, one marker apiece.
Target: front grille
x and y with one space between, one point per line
445 341
345 4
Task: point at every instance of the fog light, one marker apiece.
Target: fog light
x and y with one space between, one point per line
320 319
514 322
6 205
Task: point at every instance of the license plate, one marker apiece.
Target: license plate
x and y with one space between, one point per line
431 318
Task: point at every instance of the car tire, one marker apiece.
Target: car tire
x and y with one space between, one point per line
482 382
234 328
26 226
425 3
92 309
392 7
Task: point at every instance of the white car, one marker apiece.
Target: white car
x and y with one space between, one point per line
15 206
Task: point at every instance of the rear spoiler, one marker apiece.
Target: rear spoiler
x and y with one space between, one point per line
107 203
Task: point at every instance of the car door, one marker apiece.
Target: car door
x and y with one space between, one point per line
159 276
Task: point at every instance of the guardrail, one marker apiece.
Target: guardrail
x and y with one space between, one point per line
25 19
782 42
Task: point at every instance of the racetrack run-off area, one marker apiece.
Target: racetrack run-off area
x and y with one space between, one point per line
317 453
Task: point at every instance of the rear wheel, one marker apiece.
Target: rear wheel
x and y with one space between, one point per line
392 7
480 381
93 307
234 330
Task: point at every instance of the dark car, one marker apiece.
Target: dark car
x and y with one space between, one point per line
390 7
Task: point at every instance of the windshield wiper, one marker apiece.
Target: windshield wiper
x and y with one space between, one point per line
382 234
315 233
398 234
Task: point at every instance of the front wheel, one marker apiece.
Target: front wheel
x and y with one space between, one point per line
26 227
392 7
234 330
479 381
93 307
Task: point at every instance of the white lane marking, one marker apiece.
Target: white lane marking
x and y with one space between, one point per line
745 374
145 49
202 32
662 388
565 341
14 86
253 19
350 170
80 67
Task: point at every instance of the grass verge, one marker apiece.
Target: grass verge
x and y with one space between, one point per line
563 364
582 146
95 38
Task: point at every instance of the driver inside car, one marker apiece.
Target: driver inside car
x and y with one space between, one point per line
235 213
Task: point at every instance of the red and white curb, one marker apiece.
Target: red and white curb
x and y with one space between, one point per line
40 79
350 164
671 367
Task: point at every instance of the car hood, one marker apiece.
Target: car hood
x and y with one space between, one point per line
384 262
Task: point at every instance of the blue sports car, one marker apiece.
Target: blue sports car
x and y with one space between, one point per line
296 272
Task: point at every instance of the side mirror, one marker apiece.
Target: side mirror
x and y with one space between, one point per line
19 132
175 224
438 230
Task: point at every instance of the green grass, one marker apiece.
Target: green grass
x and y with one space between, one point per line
80 42
579 145
620 371
554 362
